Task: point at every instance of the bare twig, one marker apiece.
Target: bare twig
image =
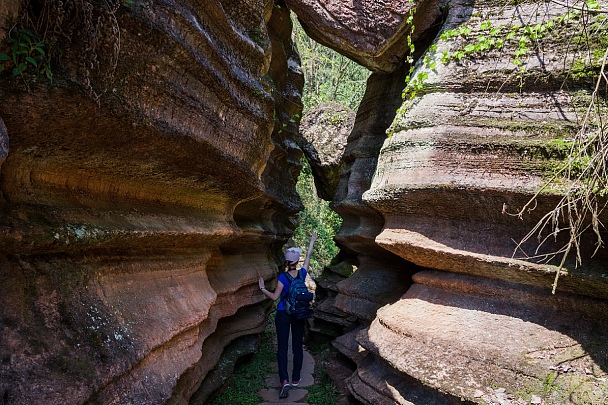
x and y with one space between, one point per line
581 8
579 207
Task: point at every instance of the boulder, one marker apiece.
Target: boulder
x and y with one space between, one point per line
462 161
488 340
324 131
475 139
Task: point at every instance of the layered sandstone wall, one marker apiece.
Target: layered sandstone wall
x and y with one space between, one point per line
476 141
473 146
137 216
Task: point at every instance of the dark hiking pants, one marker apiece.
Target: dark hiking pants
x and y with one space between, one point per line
284 322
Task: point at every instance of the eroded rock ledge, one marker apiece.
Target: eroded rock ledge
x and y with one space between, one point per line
133 229
480 325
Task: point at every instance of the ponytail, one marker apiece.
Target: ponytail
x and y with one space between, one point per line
288 266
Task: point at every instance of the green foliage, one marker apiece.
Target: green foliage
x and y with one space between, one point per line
582 35
28 53
411 86
549 383
249 378
522 36
132 3
86 29
324 392
316 217
328 76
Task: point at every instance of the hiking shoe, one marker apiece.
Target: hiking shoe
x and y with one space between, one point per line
296 383
284 390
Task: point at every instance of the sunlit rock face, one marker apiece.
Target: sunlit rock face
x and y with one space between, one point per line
372 33
137 215
470 148
473 148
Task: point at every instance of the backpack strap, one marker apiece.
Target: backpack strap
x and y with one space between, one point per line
290 278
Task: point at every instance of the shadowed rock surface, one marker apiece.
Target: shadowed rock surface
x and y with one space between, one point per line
4 145
141 201
8 13
134 228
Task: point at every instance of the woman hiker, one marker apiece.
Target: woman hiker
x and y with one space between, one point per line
284 322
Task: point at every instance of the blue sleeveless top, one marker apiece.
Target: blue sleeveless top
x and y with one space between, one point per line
286 283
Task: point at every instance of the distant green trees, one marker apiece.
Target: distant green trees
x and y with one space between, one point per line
328 76
316 217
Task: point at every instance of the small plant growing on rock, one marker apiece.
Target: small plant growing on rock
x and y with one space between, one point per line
27 53
582 179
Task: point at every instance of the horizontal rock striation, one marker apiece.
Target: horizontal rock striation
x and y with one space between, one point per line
361 223
463 160
476 140
134 227
380 276
488 340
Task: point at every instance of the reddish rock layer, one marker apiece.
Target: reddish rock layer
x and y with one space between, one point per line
469 336
134 228
372 33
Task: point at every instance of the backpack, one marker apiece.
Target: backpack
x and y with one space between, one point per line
297 300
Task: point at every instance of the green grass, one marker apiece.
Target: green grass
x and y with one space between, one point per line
324 391
249 377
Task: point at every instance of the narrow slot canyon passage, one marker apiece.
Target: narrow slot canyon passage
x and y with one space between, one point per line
157 157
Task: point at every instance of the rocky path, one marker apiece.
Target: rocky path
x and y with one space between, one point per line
297 395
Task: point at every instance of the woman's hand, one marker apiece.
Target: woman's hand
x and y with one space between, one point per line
261 283
313 238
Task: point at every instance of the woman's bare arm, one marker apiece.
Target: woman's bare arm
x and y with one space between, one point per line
313 238
272 295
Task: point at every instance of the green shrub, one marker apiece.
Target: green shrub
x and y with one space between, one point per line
28 53
316 217
249 378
